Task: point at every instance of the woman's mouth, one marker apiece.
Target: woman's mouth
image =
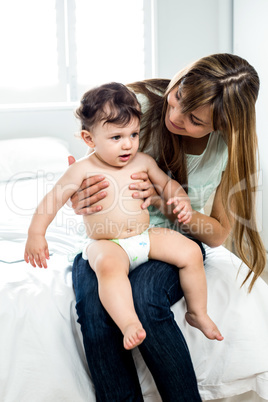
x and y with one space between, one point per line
175 126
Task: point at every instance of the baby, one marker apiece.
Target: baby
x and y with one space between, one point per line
120 236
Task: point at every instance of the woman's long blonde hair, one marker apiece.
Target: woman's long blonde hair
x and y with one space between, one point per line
230 85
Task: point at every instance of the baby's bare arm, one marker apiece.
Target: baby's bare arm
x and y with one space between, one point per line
170 190
46 211
36 249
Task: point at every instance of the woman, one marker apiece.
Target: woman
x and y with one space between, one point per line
201 128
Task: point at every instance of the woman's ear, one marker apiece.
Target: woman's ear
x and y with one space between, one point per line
88 138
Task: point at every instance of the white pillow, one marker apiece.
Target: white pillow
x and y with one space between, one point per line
23 158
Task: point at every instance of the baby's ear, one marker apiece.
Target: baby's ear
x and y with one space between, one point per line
88 138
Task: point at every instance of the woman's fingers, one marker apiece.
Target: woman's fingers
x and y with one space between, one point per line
140 176
144 186
83 207
143 194
89 194
140 185
92 191
88 210
146 203
91 181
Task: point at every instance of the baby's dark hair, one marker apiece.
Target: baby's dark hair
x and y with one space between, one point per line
122 106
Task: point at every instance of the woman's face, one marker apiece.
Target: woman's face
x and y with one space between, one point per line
196 124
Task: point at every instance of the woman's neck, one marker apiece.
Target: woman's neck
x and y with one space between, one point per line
195 146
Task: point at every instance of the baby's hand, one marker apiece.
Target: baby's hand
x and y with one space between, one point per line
183 209
36 251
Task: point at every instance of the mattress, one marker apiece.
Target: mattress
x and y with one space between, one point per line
41 348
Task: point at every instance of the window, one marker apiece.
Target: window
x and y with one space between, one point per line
54 50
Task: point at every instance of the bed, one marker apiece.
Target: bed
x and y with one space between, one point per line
41 349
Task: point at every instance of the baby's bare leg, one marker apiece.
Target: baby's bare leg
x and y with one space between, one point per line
111 264
176 249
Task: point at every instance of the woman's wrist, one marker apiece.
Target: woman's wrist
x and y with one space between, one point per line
206 229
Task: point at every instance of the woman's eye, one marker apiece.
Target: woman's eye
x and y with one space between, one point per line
193 121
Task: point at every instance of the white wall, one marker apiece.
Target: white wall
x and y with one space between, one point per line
250 42
190 29
185 31
58 121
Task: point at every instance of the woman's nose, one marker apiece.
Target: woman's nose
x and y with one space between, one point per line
176 115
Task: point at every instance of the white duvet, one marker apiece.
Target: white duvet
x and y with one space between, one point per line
41 351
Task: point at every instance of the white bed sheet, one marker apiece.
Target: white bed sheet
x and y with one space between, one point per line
42 357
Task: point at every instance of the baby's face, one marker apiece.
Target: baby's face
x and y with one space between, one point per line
116 145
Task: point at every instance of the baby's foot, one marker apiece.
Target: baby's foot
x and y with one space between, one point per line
205 324
134 335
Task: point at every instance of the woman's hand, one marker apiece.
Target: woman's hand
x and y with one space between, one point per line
89 194
145 190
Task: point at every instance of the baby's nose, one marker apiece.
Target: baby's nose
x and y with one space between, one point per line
126 143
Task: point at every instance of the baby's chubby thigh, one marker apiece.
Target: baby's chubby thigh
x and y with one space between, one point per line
172 247
107 258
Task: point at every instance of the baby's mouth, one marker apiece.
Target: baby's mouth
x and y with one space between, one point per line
124 157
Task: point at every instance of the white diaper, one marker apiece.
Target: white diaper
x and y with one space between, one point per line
136 247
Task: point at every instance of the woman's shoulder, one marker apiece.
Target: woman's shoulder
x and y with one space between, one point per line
216 146
219 147
218 140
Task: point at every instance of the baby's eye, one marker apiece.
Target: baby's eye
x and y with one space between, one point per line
134 135
116 138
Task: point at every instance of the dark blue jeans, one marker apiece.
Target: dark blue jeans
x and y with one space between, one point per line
156 288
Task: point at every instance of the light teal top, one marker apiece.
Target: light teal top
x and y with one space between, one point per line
204 176
205 170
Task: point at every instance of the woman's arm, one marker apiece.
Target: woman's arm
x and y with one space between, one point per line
212 230
170 191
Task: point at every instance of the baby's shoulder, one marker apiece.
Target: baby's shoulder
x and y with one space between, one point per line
82 165
88 160
145 160
142 157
